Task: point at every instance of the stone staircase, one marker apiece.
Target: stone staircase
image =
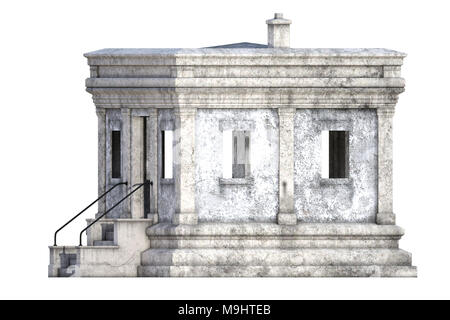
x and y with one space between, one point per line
113 249
107 236
271 250
68 265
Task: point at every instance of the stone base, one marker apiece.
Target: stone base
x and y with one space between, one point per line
185 218
153 217
385 218
276 271
287 218
271 250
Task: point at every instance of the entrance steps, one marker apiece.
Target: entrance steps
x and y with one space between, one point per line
113 249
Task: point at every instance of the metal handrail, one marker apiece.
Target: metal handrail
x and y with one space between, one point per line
104 194
106 212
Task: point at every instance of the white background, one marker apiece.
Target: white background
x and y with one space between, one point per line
48 131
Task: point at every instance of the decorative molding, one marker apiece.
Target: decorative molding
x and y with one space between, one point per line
236 181
241 98
286 111
101 112
236 58
335 181
242 125
245 82
386 112
185 112
391 71
140 112
331 124
93 71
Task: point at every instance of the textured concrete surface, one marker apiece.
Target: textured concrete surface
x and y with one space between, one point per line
271 250
318 200
257 201
286 213
184 166
277 271
385 166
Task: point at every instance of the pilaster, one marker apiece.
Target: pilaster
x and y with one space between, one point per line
137 166
385 213
101 127
126 157
184 165
152 160
286 213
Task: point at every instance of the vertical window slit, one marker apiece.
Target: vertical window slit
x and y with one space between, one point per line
335 154
167 154
241 154
115 154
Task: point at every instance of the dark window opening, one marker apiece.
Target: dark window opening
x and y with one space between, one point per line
145 155
163 152
115 154
338 154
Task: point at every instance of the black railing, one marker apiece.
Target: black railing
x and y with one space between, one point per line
109 210
104 194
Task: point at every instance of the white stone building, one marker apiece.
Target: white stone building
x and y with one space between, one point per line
242 160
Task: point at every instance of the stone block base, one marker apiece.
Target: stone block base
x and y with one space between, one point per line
277 271
287 218
185 218
272 250
385 218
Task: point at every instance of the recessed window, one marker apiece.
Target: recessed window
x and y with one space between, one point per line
115 155
167 154
236 154
241 154
335 154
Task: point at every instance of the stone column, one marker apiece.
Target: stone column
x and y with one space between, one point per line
126 158
137 166
152 161
286 213
184 165
101 118
385 213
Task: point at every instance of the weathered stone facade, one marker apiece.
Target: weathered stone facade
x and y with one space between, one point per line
266 209
336 200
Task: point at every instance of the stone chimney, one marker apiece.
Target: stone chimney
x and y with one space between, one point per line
278 31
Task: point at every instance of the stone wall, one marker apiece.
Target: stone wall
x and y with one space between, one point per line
255 200
341 200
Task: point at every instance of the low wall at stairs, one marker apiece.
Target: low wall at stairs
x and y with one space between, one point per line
118 260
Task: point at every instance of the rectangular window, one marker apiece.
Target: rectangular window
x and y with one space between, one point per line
241 154
167 154
335 154
115 154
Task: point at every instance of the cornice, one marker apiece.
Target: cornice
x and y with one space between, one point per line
245 83
245 60
243 98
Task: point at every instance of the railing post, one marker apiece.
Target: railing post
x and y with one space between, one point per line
90 205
